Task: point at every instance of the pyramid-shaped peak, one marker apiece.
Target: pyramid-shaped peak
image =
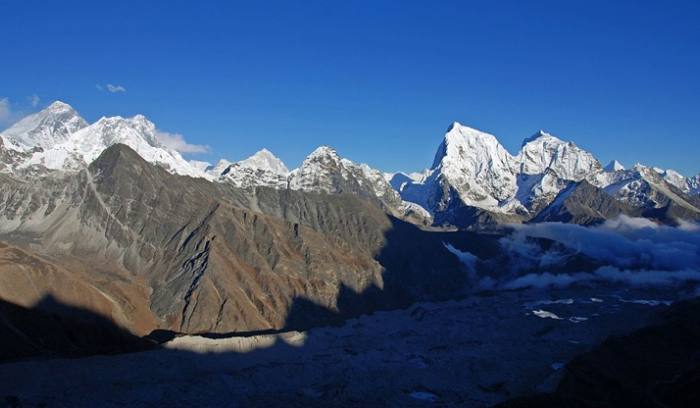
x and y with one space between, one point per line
45 128
614 166
540 135
140 118
453 125
323 151
457 127
264 153
265 160
59 106
461 141
459 134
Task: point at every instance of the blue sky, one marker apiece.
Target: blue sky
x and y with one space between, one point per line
378 80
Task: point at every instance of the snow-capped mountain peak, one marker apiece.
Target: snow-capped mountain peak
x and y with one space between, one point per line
676 179
614 166
545 151
261 169
137 132
57 138
324 171
323 153
319 172
540 133
264 159
116 129
459 161
44 129
463 141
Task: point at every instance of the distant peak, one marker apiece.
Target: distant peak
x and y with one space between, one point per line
614 166
459 133
137 119
108 119
461 140
264 159
463 129
639 167
263 153
324 150
59 106
142 122
454 125
538 135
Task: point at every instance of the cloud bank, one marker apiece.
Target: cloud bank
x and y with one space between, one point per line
177 142
631 243
628 251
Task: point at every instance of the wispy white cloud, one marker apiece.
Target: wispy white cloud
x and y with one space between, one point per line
5 110
34 100
177 142
11 112
111 88
115 88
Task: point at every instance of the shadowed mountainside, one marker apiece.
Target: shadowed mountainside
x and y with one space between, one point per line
52 329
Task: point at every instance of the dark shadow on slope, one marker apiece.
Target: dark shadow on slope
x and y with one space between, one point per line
417 267
656 366
51 329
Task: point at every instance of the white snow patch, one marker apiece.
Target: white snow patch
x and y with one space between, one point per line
543 314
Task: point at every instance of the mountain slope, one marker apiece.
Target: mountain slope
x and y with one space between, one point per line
583 203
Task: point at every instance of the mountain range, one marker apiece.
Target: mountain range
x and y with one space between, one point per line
106 217
474 182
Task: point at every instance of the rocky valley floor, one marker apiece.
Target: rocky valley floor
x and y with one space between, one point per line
476 351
